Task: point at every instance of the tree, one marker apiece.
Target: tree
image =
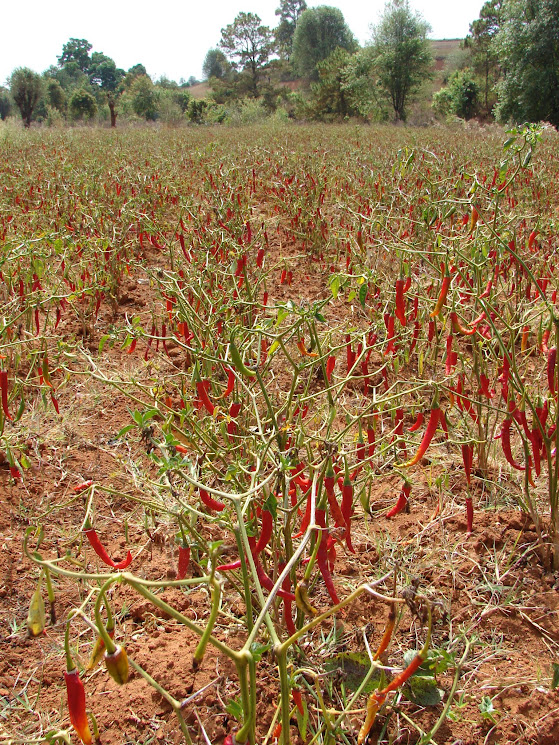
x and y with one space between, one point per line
289 12
331 97
401 54
247 41
5 104
26 88
145 98
480 42
460 97
76 50
319 31
105 75
527 46
55 95
215 65
82 104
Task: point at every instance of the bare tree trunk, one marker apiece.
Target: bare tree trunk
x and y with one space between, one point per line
112 109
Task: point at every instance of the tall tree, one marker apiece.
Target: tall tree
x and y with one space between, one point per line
528 48
215 64
250 43
26 88
401 54
76 50
107 77
289 12
319 31
484 57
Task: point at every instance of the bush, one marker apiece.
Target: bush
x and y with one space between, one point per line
82 104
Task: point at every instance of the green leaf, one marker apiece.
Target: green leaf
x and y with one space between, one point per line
423 690
363 290
487 709
235 709
257 650
320 317
302 720
124 430
103 341
334 285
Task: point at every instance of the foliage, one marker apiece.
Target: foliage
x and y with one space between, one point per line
289 12
26 88
331 97
527 46
77 51
460 97
55 95
144 98
82 104
363 88
318 33
480 42
250 43
108 78
402 58
5 104
216 64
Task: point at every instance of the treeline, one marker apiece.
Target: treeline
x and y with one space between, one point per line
310 67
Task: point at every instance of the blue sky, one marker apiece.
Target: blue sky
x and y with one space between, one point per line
172 38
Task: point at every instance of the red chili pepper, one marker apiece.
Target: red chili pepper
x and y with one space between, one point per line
184 560
418 422
350 354
202 391
80 487
442 296
330 364
484 386
75 693
488 288
467 457
450 356
551 364
101 551
505 444
4 393
402 502
228 567
432 424
268 584
335 511
400 311
389 321
210 503
458 328
266 531
322 557
298 700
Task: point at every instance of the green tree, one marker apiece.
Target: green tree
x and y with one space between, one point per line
5 104
480 42
331 97
144 98
527 46
460 97
250 43
289 12
82 104
55 95
319 31
26 88
215 65
108 78
402 58
76 50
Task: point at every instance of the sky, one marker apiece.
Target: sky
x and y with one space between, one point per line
172 38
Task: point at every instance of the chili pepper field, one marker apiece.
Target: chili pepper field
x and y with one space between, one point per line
278 431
